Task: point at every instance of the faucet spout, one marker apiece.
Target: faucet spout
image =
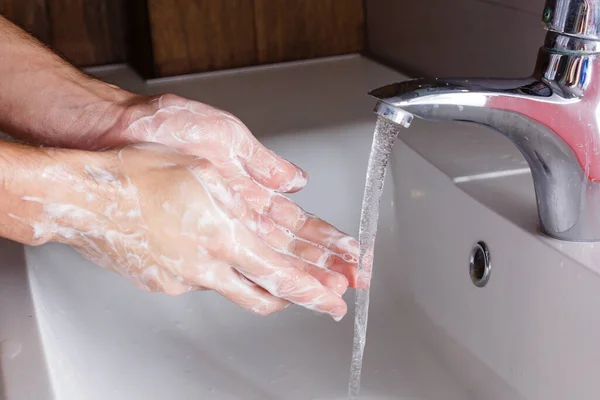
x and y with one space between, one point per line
553 116
458 99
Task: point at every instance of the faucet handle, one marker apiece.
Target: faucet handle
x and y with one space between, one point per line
579 18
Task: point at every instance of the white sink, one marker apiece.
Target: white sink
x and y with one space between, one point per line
532 333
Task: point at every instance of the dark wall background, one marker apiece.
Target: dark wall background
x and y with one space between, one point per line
457 37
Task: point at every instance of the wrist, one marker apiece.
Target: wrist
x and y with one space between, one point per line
73 112
45 100
47 193
21 169
98 109
88 110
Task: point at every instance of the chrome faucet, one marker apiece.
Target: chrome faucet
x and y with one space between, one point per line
553 117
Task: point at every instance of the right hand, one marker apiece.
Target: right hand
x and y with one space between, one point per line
171 223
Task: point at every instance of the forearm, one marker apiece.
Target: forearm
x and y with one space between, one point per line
39 186
21 170
43 99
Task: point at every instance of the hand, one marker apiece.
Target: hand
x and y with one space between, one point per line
72 110
258 175
173 223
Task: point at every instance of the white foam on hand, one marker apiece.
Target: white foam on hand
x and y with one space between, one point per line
173 223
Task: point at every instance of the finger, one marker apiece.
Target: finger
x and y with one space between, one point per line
223 279
284 242
201 131
263 165
273 171
286 213
264 227
317 261
260 263
273 272
260 199
333 280
155 279
278 240
228 199
347 269
208 132
330 269
289 215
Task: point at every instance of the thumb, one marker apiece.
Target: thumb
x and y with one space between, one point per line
273 171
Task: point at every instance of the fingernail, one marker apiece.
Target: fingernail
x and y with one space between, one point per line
302 172
338 313
297 183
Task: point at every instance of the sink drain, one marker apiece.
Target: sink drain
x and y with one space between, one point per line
480 265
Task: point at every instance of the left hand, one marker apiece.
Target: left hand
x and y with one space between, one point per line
253 171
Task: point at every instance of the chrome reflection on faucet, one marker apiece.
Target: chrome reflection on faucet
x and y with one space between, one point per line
553 117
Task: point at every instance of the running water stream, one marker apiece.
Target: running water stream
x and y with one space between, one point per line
383 141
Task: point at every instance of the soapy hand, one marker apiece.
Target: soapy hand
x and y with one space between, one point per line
74 111
258 175
173 223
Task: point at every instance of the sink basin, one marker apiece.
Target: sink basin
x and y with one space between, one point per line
72 331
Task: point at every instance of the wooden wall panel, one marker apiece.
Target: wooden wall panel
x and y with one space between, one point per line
172 37
201 35
297 29
30 15
88 32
